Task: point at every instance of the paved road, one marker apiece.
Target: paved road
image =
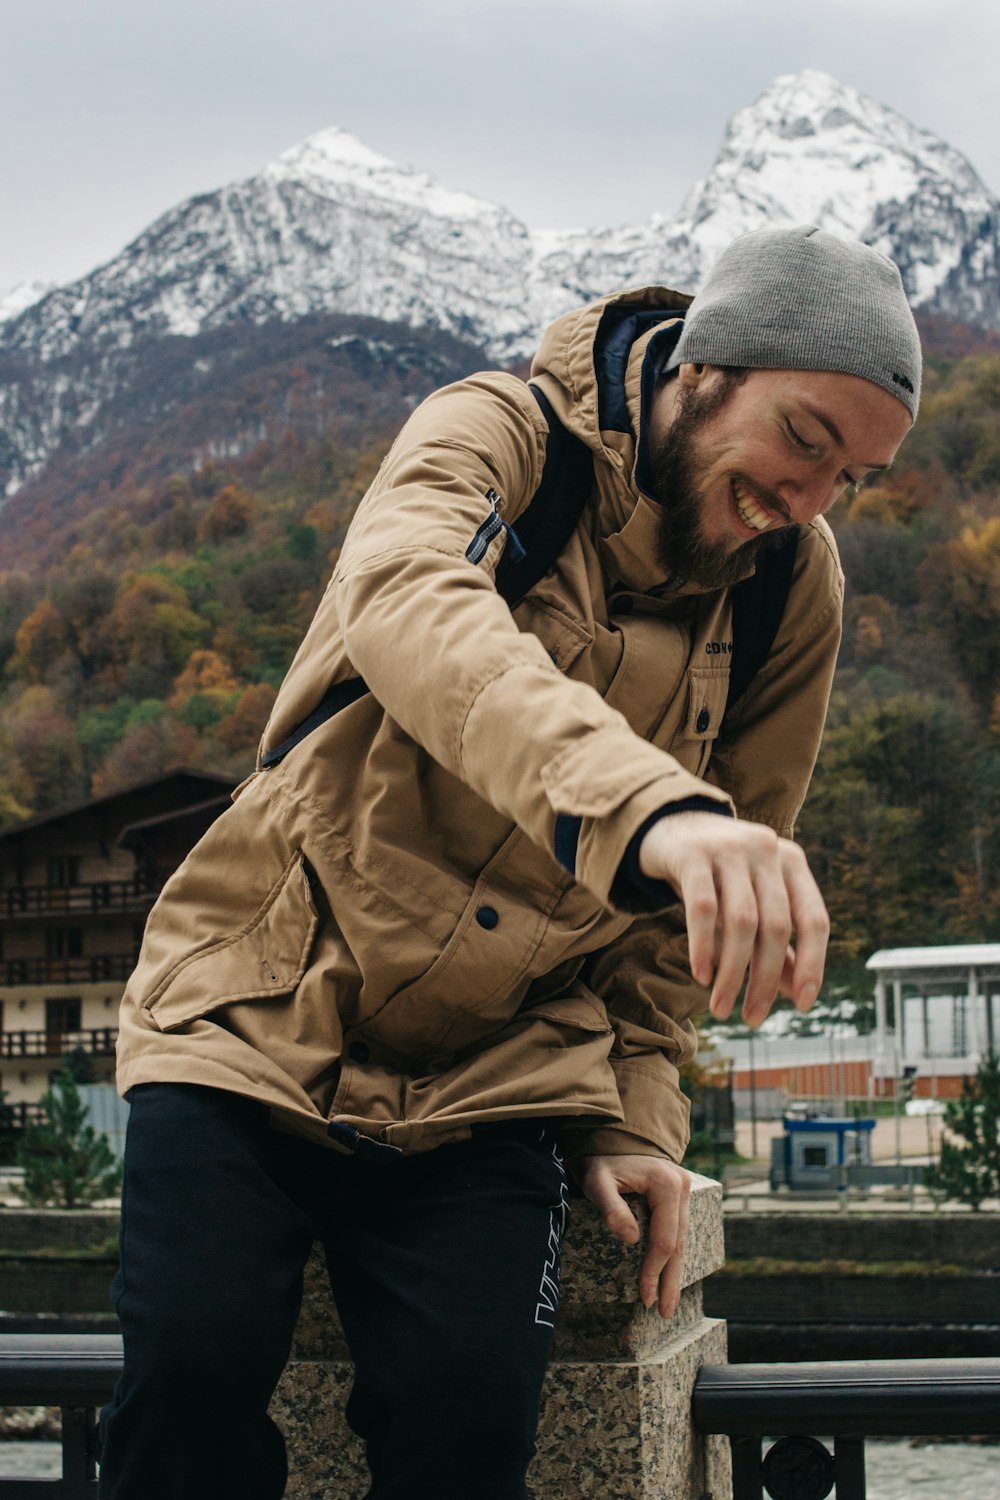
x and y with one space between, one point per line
913 1135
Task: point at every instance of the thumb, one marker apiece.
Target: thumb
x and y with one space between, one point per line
615 1212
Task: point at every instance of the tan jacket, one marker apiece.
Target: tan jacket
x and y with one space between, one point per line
377 934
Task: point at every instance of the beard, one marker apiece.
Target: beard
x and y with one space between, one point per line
681 545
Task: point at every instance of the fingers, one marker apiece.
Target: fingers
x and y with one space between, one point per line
667 1189
601 1188
701 911
670 1281
745 891
812 927
761 901
663 1263
755 926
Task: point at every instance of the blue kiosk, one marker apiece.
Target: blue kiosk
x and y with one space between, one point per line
811 1152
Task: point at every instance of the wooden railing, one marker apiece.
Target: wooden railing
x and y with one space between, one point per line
133 894
84 970
99 1042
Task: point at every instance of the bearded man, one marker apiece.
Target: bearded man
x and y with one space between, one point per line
492 862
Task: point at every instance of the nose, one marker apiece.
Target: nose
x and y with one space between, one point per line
811 497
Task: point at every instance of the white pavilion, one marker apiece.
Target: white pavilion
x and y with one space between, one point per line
937 1010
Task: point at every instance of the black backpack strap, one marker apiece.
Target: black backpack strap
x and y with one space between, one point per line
758 605
333 700
543 529
549 519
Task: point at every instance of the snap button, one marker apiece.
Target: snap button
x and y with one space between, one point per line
703 721
623 605
488 917
358 1052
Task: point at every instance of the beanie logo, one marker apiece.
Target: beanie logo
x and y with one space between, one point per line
902 380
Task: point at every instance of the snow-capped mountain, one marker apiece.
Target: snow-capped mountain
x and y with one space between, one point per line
328 227
332 227
812 151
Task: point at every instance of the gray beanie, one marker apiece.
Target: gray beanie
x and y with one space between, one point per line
802 299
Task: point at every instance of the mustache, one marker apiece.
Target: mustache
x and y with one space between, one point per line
765 497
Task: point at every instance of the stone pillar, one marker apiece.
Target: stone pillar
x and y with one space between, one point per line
615 1421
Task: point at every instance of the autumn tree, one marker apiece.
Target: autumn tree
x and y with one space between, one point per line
960 582
241 730
46 747
146 750
41 640
231 514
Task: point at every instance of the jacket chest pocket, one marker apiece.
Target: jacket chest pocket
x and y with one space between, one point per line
567 641
708 690
265 957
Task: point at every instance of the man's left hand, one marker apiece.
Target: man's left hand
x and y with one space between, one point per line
666 1188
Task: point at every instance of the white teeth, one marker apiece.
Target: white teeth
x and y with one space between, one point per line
750 512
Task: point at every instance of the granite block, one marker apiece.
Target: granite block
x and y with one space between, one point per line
600 1316
615 1421
611 1430
622 1431
325 1459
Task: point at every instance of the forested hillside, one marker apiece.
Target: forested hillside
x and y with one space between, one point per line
164 611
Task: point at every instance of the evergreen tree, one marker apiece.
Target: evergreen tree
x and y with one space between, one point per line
8 1136
970 1171
66 1163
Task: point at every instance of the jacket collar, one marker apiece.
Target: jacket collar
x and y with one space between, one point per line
598 366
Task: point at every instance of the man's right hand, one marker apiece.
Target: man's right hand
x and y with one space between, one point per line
745 891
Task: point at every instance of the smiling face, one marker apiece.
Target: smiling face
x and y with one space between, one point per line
735 459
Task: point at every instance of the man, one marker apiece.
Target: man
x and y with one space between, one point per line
461 924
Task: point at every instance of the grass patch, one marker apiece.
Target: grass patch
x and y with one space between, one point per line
766 1265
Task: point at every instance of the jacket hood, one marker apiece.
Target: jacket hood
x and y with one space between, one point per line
585 362
598 366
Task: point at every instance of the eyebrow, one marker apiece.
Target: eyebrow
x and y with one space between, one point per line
835 433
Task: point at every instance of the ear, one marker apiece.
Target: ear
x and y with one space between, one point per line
693 376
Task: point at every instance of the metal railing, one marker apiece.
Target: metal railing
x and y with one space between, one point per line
76 1372
83 970
850 1400
97 1042
135 893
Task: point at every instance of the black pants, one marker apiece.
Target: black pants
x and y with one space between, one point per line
444 1268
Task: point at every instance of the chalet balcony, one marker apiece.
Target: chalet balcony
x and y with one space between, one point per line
96 897
98 1042
96 969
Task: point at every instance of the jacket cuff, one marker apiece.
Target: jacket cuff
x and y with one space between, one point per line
601 790
631 890
607 1140
655 1115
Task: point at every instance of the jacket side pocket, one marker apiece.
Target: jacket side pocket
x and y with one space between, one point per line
267 956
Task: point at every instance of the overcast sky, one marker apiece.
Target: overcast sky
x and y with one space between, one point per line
567 111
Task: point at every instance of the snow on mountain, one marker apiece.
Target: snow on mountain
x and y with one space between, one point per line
333 227
328 227
22 296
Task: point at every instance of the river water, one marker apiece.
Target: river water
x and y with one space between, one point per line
895 1471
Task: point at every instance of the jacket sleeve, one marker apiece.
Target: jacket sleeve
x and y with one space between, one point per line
644 979
439 648
765 763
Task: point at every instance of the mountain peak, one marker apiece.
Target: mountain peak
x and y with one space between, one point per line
334 161
332 152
